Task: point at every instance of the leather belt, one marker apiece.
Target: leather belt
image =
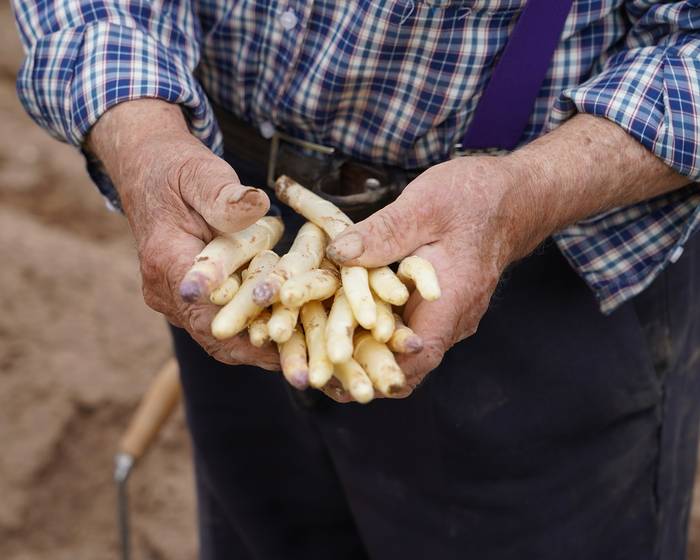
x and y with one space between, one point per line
356 187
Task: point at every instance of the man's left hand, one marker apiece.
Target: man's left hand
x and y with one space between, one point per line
465 217
473 216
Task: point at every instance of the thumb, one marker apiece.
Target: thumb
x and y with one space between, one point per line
387 236
211 188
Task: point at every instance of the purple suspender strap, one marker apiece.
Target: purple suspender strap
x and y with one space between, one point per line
504 109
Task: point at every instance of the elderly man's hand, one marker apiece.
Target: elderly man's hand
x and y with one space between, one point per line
176 195
463 217
473 216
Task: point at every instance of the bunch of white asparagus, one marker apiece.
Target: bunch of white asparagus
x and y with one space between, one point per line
348 329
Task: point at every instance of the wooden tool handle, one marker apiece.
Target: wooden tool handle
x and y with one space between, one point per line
159 401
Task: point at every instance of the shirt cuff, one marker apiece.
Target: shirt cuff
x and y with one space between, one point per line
101 65
654 95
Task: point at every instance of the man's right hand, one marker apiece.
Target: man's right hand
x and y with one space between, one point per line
176 195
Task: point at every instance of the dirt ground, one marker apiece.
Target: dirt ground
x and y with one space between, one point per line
77 349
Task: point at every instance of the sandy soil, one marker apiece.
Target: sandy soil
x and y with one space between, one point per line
77 349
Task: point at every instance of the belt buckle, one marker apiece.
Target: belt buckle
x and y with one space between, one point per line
275 141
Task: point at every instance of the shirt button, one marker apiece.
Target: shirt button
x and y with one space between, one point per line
267 130
676 254
288 20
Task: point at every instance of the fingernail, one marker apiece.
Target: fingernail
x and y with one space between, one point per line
193 287
240 193
414 344
346 247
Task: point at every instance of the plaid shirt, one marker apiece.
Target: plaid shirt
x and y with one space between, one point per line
391 82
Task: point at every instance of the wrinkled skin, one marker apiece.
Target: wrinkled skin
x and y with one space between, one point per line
176 195
471 217
456 215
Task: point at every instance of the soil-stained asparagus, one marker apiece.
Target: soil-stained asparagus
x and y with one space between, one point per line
257 329
233 317
379 363
321 212
224 293
293 360
354 380
339 329
305 254
422 273
314 319
282 322
317 284
227 253
387 285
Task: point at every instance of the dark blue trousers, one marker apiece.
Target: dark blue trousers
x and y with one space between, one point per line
553 433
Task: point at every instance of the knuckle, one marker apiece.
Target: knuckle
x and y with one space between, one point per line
187 171
185 177
197 319
436 216
201 178
388 230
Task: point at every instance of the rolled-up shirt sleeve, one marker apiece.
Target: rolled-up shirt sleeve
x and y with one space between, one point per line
85 56
649 86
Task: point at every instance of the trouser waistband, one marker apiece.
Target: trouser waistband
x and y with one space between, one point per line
359 188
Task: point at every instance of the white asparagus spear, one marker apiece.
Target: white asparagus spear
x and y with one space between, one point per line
320 211
233 317
422 273
379 363
339 329
257 329
404 340
227 253
293 360
354 380
224 293
317 284
314 319
282 322
356 288
385 324
306 253
387 285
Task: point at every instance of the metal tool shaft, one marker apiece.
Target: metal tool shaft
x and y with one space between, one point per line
156 406
123 464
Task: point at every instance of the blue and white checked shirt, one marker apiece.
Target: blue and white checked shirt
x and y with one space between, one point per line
388 81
